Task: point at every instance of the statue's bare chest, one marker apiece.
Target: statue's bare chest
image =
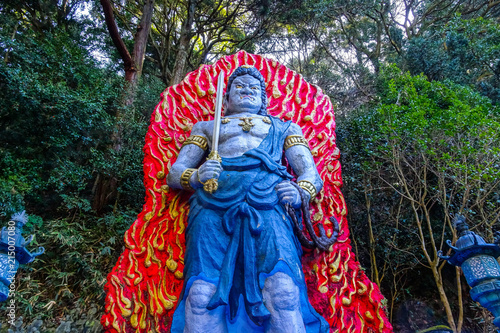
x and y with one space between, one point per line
238 136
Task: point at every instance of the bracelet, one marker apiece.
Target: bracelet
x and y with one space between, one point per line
294 140
309 187
198 140
186 175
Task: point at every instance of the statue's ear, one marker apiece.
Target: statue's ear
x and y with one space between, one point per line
224 102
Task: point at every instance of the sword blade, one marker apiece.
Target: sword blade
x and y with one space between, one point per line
218 112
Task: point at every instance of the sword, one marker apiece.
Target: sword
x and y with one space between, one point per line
211 185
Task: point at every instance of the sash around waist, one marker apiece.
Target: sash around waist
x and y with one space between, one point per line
249 178
254 186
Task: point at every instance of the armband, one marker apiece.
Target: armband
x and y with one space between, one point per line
186 175
198 140
309 187
294 140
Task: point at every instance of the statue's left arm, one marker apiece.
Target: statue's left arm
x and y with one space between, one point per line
300 159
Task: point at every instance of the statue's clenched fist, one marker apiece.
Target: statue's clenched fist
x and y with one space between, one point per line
288 194
208 170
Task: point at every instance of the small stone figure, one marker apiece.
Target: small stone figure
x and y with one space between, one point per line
13 252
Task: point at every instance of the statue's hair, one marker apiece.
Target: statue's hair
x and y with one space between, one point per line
252 71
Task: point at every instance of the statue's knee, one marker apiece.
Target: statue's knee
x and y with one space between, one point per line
199 296
281 292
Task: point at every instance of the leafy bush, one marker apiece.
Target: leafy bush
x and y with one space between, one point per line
58 110
464 51
79 252
424 151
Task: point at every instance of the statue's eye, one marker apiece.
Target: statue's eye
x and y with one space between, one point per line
239 86
254 88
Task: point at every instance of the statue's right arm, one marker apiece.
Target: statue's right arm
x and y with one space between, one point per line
190 156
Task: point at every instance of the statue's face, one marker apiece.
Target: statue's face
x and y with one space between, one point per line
244 96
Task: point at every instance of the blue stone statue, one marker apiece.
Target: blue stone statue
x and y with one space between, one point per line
243 269
13 252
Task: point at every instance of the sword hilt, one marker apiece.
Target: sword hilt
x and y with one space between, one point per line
211 185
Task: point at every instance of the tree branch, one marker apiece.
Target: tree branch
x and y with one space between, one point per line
115 34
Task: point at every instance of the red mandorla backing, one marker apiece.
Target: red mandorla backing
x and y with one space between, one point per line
144 286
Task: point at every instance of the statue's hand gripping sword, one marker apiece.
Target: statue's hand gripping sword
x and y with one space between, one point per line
211 185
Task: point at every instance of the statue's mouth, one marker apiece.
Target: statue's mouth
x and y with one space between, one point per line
247 96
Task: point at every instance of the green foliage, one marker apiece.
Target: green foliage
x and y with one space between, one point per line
56 107
422 152
447 128
466 51
79 252
57 116
434 328
58 113
448 123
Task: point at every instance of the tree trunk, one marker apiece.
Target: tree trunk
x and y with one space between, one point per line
109 17
460 301
182 52
442 295
6 58
132 63
371 242
106 189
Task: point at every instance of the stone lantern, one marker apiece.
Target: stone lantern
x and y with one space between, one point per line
478 262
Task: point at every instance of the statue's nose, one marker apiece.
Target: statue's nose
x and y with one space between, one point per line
246 90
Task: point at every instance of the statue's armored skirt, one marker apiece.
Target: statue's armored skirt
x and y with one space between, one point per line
240 235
